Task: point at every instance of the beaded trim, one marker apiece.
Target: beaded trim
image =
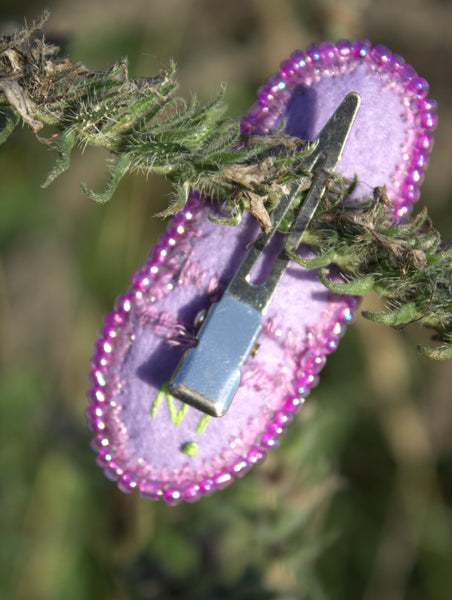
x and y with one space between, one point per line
332 60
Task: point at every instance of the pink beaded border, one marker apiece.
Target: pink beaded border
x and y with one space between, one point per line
329 60
115 339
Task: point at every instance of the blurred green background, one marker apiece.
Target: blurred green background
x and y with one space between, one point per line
356 503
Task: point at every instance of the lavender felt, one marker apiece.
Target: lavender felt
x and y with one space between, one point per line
378 134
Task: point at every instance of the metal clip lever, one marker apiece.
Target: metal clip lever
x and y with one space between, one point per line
208 375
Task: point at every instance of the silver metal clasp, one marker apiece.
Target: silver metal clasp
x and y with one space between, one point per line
208 375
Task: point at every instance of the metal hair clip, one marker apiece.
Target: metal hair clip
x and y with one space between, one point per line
208 375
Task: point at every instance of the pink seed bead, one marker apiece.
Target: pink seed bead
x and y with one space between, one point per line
96 396
94 412
114 320
427 104
265 95
361 48
415 177
407 72
419 160
344 48
104 458
314 361
298 59
305 384
293 405
127 483
381 54
401 211
192 493
256 456
99 443
113 471
160 253
98 377
328 52
410 193
246 127
149 489
287 70
313 55
425 142
282 418
276 84
172 496
429 120
97 425
143 281
396 62
103 347
110 332
419 86
345 315
269 440
276 430
241 467
207 487
222 480
331 343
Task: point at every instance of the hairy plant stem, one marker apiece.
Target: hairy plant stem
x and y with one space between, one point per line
147 127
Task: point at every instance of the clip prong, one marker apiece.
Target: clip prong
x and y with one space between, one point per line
208 375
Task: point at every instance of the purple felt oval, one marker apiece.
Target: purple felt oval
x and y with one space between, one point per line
148 440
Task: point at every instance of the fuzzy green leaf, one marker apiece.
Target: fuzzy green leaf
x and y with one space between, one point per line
233 220
120 168
65 145
440 353
396 318
323 260
10 120
356 287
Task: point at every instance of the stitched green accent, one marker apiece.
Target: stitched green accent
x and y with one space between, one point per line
160 397
203 424
190 449
177 416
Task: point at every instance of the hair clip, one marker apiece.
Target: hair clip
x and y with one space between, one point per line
164 331
208 374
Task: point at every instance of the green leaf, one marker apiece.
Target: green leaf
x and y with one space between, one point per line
65 145
357 287
233 220
323 260
407 313
182 195
120 168
440 353
10 119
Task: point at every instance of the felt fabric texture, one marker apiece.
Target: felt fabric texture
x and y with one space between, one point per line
148 440
377 137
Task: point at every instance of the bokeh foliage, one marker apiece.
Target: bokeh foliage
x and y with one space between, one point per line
356 503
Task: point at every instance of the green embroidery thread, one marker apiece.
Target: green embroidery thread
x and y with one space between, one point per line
177 416
190 449
203 424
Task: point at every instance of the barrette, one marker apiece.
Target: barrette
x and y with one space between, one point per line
208 375
149 350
